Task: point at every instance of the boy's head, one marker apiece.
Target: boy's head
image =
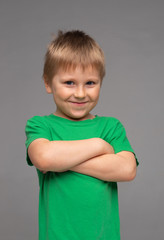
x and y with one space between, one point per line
71 49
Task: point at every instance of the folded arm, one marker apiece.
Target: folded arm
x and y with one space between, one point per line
94 157
61 156
110 167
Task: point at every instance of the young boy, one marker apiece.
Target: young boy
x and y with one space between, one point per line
79 156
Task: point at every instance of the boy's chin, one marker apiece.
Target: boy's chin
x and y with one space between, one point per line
80 117
74 115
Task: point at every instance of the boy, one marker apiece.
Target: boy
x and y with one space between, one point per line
79 157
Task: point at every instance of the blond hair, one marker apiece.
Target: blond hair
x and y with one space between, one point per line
70 49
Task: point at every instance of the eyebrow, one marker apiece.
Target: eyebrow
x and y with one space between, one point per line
69 78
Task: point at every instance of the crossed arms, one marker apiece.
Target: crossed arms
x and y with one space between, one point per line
94 157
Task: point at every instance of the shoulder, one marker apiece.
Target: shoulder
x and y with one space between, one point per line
37 127
112 126
111 121
37 119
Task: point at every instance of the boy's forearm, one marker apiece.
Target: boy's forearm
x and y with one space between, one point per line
72 153
110 167
62 155
105 149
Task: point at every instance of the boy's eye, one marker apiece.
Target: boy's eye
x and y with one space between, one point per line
90 83
69 82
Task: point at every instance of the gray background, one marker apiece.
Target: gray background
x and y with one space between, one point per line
131 34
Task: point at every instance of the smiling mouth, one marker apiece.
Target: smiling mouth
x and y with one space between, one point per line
78 103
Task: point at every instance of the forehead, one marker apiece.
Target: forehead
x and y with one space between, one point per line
76 70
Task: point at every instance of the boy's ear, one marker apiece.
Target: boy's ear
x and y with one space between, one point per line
47 85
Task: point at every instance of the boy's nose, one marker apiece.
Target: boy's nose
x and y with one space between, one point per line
80 92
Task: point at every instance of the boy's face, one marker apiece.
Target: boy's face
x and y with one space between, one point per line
75 92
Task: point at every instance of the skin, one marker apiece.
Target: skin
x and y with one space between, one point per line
75 92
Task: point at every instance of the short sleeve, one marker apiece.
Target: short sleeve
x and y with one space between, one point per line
35 128
119 140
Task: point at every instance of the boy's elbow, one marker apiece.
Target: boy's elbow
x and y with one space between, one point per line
39 156
42 163
129 166
130 173
39 160
47 163
43 158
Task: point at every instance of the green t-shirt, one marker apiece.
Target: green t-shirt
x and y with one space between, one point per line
75 206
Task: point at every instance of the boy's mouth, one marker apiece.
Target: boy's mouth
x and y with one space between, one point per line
79 103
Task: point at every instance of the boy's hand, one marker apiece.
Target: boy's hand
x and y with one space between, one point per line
107 148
